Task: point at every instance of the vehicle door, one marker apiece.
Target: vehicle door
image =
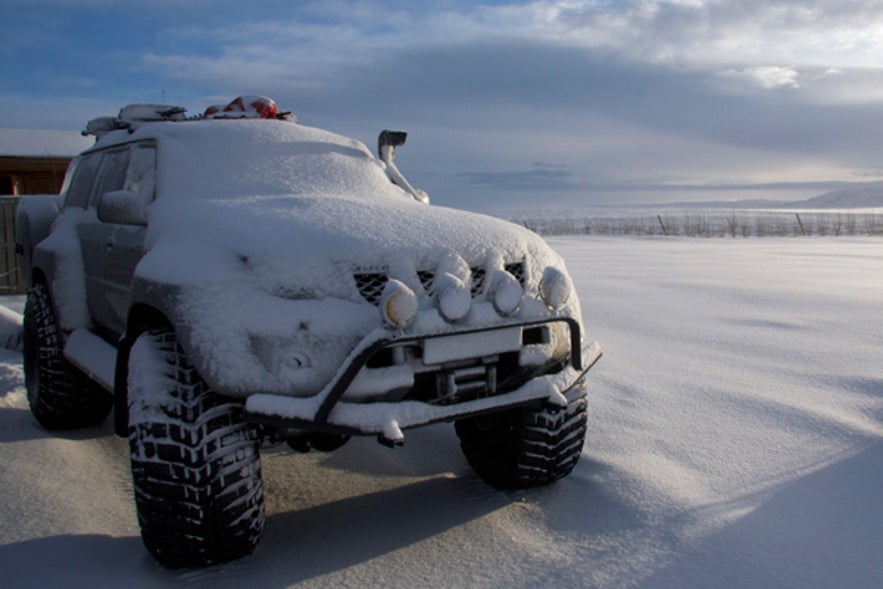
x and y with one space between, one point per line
111 251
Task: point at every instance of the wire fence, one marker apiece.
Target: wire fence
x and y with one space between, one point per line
742 223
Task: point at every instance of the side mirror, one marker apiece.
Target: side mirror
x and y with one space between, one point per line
122 207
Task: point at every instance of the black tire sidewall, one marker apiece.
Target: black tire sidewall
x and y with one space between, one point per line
186 523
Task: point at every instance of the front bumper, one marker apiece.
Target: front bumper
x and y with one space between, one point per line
328 412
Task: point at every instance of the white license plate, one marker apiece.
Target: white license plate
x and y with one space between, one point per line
438 350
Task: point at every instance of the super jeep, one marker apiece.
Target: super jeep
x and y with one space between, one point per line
235 277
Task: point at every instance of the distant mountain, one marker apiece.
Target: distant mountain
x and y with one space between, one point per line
865 196
754 203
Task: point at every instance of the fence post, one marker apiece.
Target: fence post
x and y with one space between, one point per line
10 277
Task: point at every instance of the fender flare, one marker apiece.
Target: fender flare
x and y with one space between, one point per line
141 319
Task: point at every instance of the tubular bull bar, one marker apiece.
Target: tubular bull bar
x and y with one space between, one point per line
327 411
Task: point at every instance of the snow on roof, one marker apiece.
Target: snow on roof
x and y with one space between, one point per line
42 143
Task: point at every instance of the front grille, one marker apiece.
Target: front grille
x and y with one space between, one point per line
516 269
371 284
478 275
427 279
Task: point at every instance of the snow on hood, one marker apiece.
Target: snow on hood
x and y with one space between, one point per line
300 210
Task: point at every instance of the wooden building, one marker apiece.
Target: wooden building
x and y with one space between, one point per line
34 161
32 175
31 162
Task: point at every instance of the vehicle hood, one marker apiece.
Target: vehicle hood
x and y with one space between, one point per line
311 246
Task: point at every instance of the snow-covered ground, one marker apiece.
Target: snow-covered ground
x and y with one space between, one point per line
735 440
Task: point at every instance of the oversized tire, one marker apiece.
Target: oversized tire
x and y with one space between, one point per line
526 447
60 396
196 466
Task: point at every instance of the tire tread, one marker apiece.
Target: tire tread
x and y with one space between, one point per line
197 477
527 447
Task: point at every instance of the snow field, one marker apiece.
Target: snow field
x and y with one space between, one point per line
10 323
734 373
734 440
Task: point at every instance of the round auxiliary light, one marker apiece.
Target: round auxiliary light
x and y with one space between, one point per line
398 303
454 297
555 288
506 293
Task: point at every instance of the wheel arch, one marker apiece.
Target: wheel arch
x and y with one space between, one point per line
37 277
141 318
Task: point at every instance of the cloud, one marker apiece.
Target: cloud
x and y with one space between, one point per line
747 45
811 32
768 77
549 177
842 33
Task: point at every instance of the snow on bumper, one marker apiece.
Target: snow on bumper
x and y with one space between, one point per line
388 419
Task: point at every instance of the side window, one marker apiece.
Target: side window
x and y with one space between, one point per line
111 174
69 177
83 180
141 175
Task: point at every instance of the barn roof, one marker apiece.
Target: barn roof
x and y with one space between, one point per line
41 143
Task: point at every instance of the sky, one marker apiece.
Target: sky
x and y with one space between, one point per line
572 102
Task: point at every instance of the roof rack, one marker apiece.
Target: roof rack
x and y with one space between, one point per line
131 114
243 107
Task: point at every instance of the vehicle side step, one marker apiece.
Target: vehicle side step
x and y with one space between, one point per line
93 356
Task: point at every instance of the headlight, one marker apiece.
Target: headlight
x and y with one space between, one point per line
398 303
506 293
454 297
555 288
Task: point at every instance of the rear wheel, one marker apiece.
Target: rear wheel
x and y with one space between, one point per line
196 464
526 447
60 396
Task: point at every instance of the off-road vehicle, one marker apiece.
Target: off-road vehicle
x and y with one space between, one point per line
233 278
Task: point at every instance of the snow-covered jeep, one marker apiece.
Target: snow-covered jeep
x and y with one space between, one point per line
235 278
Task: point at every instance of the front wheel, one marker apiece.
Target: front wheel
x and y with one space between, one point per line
526 447
196 464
